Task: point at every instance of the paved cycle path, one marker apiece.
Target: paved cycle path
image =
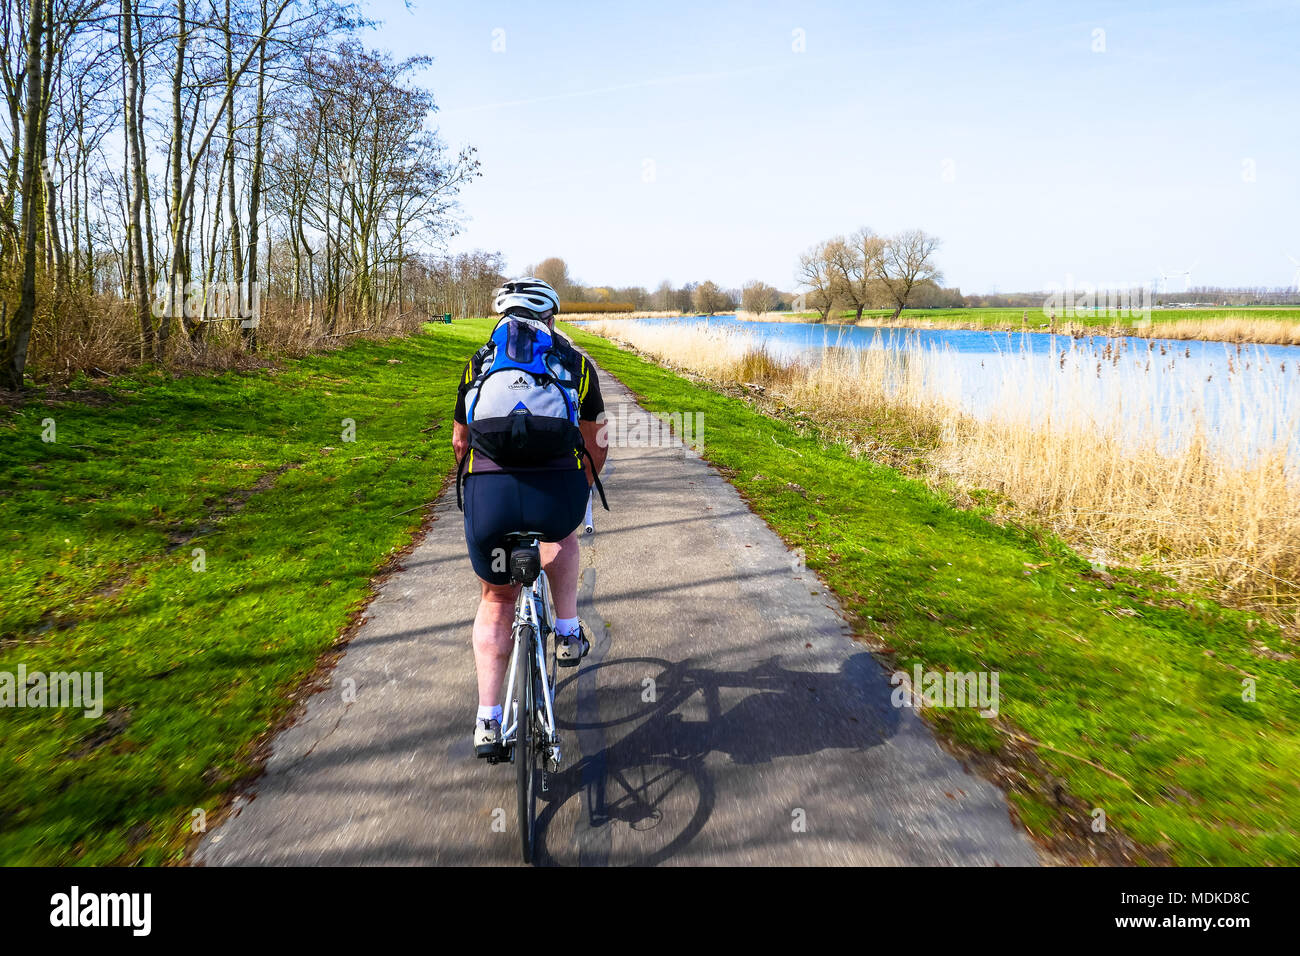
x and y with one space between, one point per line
724 716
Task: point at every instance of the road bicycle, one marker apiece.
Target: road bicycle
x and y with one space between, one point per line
529 737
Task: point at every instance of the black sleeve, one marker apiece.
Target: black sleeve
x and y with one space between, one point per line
590 402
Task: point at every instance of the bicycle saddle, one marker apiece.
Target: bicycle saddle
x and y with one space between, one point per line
514 538
525 558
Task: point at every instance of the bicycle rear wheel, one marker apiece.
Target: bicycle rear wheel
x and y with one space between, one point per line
527 750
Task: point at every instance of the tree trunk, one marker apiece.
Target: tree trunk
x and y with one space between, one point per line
211 267
151 258
232 210
49 227
85 212
53 241
18 335
135 250
177 274
255 197
79 202
9 238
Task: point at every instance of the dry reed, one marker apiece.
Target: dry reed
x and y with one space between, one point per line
100 335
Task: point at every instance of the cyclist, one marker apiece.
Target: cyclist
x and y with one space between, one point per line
548 495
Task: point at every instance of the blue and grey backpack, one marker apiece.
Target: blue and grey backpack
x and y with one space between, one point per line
522 405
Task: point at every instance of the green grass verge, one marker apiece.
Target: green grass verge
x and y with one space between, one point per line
98 573
1121 670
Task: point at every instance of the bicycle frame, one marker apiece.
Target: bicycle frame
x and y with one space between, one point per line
531 611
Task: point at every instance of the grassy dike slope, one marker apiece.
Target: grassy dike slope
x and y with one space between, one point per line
1117 692
97 574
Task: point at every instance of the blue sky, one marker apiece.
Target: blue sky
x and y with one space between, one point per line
643 141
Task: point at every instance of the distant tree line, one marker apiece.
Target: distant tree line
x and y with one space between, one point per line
706 297
1198 295
854 273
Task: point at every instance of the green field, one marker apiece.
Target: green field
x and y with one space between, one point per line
98 574
1131 691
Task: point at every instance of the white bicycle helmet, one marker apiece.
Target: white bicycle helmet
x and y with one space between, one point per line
530 293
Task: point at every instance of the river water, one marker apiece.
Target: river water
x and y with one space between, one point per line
1243 397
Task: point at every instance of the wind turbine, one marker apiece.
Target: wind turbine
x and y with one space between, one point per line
1295 279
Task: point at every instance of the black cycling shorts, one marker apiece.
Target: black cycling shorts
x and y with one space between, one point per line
498 503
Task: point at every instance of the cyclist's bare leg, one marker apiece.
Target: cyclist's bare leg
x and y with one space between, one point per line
561 561
493 642
492 639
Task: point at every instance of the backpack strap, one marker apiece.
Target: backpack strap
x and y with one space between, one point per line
460 477
600 490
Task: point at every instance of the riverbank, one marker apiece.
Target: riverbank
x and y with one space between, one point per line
1121 693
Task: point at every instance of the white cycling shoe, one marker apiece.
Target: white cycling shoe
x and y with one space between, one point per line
487 737
572 649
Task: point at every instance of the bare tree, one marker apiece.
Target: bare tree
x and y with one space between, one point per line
906 260
133 121
815 273
662 297
555 271
18 332
846 268
758 297
709 299
385 177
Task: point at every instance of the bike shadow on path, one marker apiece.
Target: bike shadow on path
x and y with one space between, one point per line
657 733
